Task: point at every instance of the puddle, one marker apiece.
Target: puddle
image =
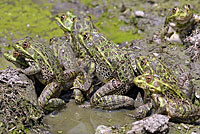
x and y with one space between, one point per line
77 120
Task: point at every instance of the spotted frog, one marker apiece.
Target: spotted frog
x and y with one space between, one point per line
166 99
46 67
179 24
73 67
112 66
152 65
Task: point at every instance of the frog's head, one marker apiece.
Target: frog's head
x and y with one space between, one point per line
16 59
24 48
83 31
149 82
65 21
180 15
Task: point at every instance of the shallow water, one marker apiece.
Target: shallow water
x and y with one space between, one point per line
77 120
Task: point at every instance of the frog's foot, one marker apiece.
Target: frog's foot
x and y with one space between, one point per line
52 90
112 102
141 111
82 82
78 96
54 104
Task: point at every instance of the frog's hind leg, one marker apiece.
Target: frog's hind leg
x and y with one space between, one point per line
48 98
110 96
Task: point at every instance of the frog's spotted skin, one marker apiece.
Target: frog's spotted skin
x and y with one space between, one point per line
76 76
179 23
112 67
84 23
46 67
166 100
64 53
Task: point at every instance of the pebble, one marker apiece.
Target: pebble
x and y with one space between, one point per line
139 13
102 129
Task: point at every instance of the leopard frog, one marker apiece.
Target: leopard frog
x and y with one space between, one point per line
112 66
46 67
152 65
73 67
166 99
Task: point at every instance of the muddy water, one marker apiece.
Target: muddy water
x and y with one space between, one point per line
77 120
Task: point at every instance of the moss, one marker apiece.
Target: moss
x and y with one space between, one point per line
86 2
111 28
23 17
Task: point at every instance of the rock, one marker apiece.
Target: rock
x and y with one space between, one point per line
101 129
154 124
139 13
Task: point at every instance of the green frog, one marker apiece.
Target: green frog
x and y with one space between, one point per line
166 99
46 67
111 66
81 84
152 65
73 67
179 24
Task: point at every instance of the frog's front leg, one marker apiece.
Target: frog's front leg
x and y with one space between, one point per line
141 111
106 97
48 98
32 69
82 83
78 96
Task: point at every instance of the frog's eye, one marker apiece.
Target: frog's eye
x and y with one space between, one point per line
25 44
86 36
187 6
143 61
63 17
174 10
52 40
15 54
148 78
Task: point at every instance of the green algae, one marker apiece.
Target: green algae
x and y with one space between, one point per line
111 28
24 18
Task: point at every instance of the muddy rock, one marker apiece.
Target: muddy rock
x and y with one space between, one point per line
19 112
102 129
154 124
14 79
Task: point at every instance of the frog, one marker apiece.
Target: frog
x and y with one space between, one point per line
111 66
179 24
47 69
166 100
152 65
65 22
79 81
81 86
